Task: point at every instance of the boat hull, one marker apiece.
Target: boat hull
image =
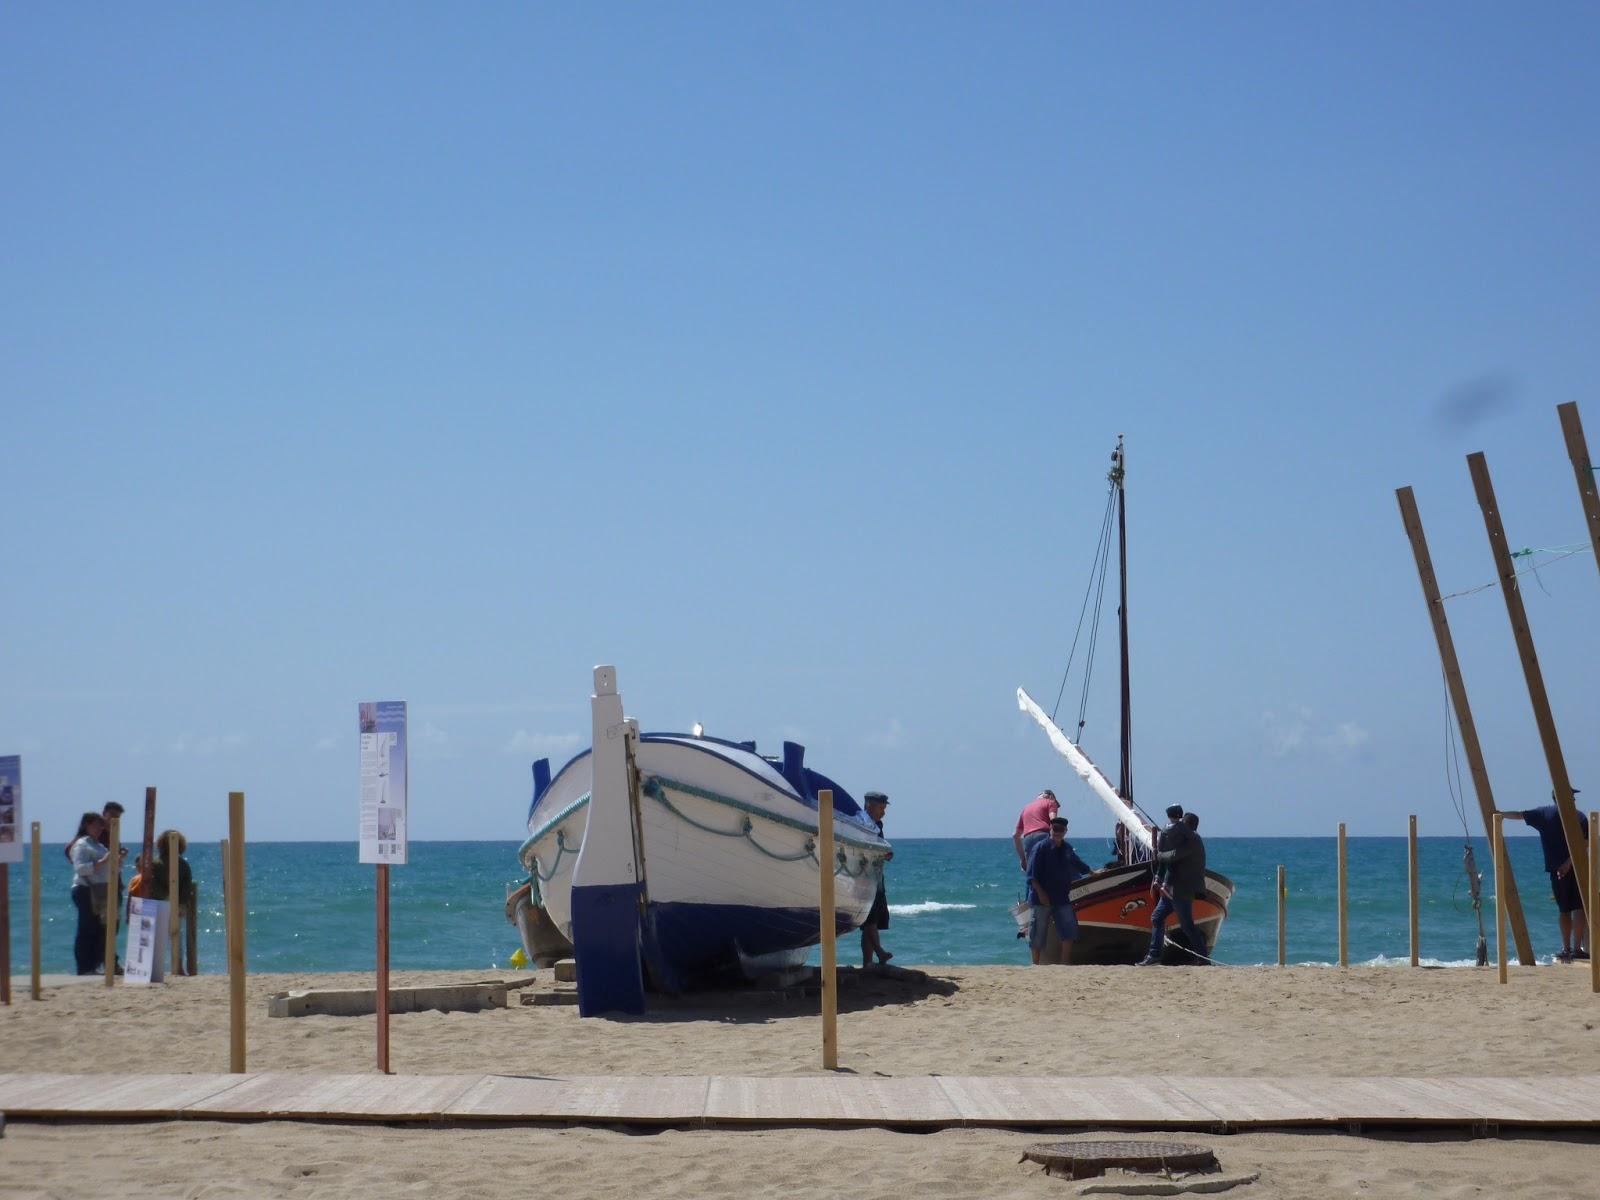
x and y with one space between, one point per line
729 860
1113 907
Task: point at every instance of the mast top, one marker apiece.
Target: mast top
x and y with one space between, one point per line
1116 472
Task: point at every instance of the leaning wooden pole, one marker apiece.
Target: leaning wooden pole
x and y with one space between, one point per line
1560 784
1465 725
1583 471
825 907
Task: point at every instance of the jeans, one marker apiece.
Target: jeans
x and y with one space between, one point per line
1066 924
89 946
1158 926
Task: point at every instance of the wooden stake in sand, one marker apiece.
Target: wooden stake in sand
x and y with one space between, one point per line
173 903
1499 893
1594 897
1457 688
33 921
113 899
1344 924
1411 869
236 935
830 961
1283 902
1511 592
383 966
5 933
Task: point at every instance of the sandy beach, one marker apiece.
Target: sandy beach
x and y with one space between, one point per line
988 1020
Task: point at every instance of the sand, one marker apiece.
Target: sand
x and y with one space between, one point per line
985 1020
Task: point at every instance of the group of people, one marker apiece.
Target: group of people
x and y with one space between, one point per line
1052 866
90 856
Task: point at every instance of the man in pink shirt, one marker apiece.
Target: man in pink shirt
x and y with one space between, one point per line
1033 826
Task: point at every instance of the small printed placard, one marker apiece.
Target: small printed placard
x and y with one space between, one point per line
383 781
147 941
11 809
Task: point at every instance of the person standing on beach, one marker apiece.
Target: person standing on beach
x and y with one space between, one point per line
1181 876
1053 867
91 880
1033 826
877 804
1575 940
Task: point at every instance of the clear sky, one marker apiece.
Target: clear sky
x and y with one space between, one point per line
774 354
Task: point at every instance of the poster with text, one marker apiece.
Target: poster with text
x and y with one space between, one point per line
383 781
11 809
147 940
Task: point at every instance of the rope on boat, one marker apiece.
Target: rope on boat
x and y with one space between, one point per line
657 789
562 849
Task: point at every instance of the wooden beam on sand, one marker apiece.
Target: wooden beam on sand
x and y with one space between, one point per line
1465 725
1413 897
1560 784
1499 899
1594 897
173 903
825 910
33 920
1344 924
113 907
236 939
1283 901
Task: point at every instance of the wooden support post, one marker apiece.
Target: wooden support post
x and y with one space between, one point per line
113 906
1283 902
1594 897
1583 470
1511 591
5 933
1411 866
173 904
33 922
1468 729
236 940
1499 895
383 966
1344 899
825 913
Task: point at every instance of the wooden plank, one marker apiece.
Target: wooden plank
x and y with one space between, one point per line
1052 1100
108 1095
843 1100
669 1099
280 1094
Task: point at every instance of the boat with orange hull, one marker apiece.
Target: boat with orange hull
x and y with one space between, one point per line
1114 905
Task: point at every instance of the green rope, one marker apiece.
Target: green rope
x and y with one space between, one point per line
562 849
689 789
746 828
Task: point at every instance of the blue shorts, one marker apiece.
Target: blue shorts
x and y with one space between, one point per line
1066 924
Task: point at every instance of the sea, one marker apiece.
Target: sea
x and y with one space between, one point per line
311 904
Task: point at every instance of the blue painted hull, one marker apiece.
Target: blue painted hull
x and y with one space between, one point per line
688 944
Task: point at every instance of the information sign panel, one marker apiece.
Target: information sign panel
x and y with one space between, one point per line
383 781
11 809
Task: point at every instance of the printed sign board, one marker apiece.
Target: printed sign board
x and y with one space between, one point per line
383 781
147 941
11 809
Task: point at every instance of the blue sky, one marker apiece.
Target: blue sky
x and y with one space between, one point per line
774 354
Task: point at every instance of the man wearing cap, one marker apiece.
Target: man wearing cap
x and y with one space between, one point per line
1053 867
1575 942
876 804
1179 878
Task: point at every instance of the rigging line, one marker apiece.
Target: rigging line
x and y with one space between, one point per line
1530 569
1452 759
1105 522
1094 629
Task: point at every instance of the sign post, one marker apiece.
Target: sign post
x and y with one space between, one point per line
33 872
382 725
233 856
10 852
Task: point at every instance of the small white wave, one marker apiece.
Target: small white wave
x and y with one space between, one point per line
923 906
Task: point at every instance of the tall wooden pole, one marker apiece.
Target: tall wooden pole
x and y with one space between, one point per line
1512 592
1283 901
1499 899
33 922
383 966
173 903
236 943
1583 470
1411 868
825 913
1594 897
1344 923
5 933
113 907
1458 701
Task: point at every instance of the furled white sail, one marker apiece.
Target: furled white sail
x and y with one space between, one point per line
1087 771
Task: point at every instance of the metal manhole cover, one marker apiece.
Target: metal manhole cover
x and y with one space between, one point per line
1080 1160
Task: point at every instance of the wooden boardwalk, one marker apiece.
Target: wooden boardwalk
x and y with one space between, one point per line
722 1101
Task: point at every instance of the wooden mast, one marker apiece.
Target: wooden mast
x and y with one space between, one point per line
1468 729
1125 784
1561 785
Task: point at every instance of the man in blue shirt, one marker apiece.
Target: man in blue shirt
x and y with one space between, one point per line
1563 880
1053 867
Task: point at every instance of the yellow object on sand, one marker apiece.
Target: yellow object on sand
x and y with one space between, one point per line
519 959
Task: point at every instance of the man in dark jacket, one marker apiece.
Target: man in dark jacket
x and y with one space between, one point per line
1053 867
1181 866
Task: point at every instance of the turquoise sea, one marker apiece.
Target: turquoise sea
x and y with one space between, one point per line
311 903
